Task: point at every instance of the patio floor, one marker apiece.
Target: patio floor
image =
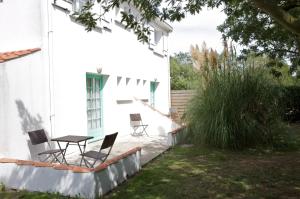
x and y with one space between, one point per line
152 146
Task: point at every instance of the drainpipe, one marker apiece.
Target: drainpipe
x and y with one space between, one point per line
169 78
50 66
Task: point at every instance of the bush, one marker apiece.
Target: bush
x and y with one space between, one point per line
235 109
183 76
291 103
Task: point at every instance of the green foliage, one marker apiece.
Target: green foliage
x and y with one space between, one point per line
237 108
86 16
183 75
291 103
259 33
2 187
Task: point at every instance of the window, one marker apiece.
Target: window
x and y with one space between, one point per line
152 38
78 4
94 86
157 36
159 44
165 46
156 40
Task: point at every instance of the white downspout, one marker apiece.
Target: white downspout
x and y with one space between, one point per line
50 67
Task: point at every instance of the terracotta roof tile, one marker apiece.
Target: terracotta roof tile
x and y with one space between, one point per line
62 167
101 167
8 160
25 162
6 56
43 164
77 169
122 156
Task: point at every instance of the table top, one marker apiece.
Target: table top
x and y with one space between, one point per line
72 138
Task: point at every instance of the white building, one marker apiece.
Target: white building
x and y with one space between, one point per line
73 81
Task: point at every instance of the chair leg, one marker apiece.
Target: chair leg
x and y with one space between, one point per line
134 131
144 130
87 163
81 160
92 165
56 157
47 157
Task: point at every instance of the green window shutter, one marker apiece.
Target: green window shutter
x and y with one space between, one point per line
152 93
94 88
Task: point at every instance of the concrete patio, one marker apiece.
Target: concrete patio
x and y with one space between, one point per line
152 146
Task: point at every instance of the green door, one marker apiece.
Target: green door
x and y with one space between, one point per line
94 87
152 93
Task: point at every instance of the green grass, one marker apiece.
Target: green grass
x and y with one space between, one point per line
193 172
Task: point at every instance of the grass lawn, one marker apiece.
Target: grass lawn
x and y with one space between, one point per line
193 172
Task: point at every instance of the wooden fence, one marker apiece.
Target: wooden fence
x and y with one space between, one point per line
179 102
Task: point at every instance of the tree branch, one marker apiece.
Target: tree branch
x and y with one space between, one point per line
288 21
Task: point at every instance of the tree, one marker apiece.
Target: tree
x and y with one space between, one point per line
259 33
266 26
183 74
184 58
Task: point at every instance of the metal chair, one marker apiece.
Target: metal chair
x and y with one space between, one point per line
39 137
101 156
137 123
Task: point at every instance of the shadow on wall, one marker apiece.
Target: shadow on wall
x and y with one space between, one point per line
114 175
30 123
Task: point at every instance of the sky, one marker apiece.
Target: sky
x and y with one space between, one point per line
196 29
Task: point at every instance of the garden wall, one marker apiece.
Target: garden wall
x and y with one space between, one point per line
176 136
70 180
179 102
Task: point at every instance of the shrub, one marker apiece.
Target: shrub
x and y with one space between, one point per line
235 109
2 187
183 76
291 103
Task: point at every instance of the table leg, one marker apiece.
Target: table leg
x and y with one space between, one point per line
82 152
63 153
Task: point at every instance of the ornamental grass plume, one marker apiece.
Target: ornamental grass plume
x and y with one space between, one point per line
235 110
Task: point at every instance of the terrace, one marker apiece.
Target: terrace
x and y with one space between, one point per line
128 155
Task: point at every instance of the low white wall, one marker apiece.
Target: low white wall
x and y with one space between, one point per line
68 181
176 136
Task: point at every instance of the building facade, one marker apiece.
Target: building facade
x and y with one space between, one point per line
74 81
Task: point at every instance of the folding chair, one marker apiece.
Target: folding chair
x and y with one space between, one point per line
101 156
137 123
39 137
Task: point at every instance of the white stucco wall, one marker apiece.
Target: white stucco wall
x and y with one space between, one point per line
119 54
23 104
52 82
21 25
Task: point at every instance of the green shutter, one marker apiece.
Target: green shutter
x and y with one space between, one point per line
152 93
94 88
